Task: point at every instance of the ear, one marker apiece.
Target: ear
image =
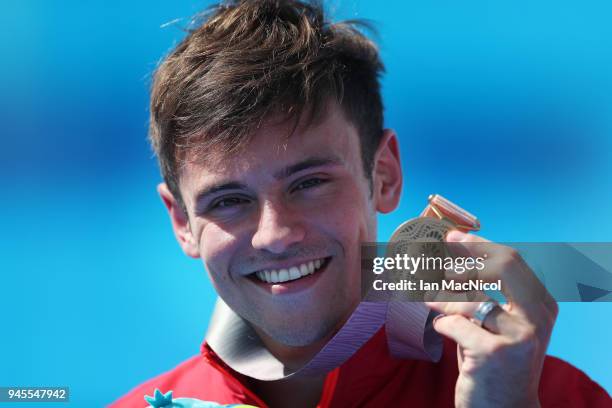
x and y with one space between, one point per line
387 177
180 222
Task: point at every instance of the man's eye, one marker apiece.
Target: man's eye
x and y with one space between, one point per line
228 202
313 182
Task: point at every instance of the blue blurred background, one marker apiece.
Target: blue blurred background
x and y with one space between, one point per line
513 99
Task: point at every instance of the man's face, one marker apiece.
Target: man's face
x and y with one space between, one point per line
279 226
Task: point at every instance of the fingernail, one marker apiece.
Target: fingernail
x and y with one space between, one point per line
435 319
456 236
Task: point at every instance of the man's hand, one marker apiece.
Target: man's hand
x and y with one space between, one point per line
500 363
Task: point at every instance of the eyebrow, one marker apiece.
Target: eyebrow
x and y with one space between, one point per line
307 164
285 172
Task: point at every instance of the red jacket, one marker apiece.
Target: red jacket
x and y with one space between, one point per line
370 378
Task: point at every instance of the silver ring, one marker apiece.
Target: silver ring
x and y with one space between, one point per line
483 310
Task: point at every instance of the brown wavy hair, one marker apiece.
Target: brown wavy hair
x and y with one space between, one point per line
245 60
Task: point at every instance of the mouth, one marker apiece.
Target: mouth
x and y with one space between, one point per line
292 273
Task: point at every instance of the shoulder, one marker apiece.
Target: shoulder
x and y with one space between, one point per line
562 384
194 378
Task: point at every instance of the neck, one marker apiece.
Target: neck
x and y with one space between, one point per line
297 392
292 357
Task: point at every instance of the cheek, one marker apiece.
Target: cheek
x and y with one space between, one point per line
347 216
216 246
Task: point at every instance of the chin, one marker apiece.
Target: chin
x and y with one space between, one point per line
304 333
301 332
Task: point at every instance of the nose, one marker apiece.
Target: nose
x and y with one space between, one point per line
278 229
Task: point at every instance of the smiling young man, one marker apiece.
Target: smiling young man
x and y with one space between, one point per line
267 122
279 228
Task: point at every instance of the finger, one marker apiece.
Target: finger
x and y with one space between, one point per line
456 296
462 245
462 331
460 355
452 296
497 321
455 235
518 282
450 274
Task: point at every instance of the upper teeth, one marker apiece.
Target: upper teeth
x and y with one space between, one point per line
289 274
